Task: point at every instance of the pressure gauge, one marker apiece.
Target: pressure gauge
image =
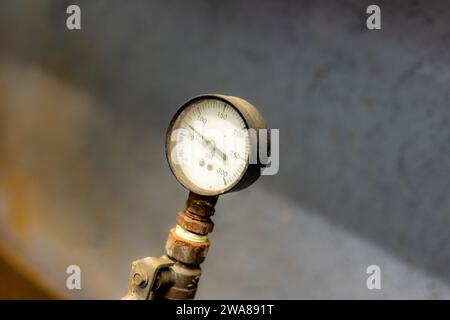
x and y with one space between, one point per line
212 144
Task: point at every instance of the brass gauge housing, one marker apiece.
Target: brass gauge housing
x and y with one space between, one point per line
212 144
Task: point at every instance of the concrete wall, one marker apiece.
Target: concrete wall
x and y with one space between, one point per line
363 115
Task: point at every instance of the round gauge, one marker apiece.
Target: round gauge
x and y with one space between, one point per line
210 146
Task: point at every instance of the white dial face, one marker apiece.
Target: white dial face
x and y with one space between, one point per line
208 148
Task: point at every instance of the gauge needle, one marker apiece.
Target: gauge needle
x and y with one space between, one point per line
215 149
198 133
221 154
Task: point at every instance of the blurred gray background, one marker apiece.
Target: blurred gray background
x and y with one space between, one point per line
364 119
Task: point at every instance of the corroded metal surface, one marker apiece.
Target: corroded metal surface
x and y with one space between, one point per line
145 276
184 250
194 223
176 275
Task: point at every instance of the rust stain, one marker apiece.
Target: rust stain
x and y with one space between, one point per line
41 133
20 282
17 202
11 180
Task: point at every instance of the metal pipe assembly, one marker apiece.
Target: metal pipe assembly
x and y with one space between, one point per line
211 151
176 274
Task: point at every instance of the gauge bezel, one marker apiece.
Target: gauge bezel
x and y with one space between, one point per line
252 119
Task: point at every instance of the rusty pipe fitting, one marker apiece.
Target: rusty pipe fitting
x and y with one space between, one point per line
193 223
202 206
176 275
185 281
186 247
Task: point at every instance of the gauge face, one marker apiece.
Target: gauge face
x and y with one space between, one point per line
208 146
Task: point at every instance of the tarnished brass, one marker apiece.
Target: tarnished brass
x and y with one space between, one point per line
143 279
176 275
192 223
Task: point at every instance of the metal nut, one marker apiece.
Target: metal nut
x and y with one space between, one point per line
183 250
201 205
193 224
